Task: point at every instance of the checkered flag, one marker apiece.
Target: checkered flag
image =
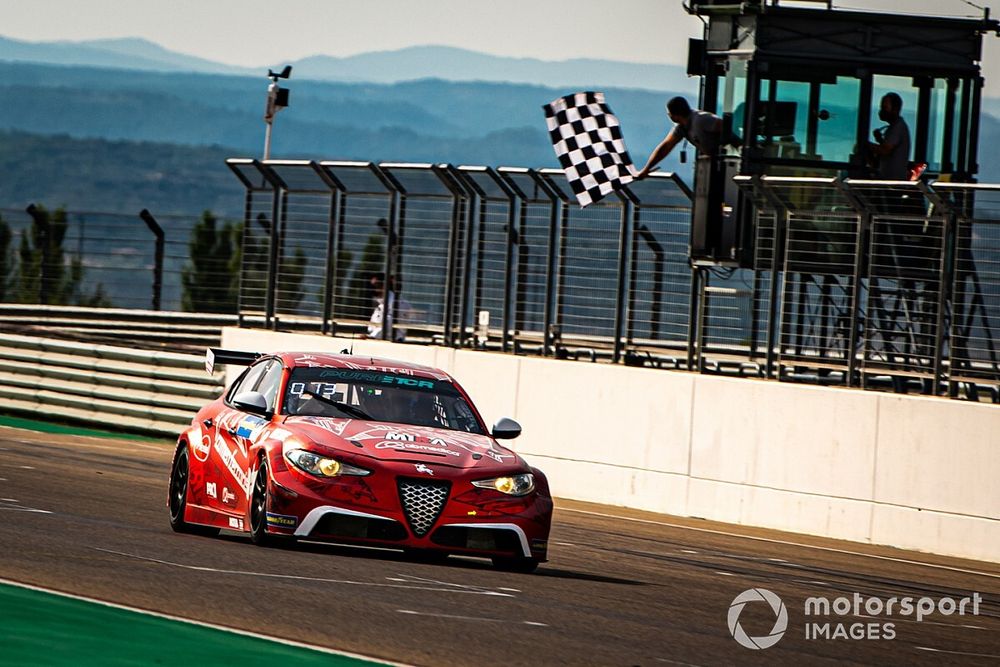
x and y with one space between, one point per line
588 141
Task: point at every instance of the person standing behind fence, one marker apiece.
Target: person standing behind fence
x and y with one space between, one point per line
701 128
383 315
892 143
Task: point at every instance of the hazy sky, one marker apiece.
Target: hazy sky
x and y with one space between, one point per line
259 32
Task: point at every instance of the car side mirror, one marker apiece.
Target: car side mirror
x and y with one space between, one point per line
253 402
506 429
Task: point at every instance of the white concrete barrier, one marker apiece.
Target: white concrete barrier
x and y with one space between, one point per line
907 471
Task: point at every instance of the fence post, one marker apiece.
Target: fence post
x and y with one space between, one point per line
393 238
272 260
333 247
620 297
508 282
948 256
41 219
154 227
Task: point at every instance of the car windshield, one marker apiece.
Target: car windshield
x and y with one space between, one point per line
378 396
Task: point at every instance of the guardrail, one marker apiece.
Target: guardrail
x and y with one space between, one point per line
108 386
174 331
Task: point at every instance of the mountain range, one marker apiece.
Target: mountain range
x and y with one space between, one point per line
416 62
113 125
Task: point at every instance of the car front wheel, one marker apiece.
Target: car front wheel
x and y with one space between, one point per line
259 501
179 475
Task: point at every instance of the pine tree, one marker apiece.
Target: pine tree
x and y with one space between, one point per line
43 273
208 281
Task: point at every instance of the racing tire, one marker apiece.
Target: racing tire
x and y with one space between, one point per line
523 565
179 475
259 501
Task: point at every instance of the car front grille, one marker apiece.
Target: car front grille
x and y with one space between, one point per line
422 502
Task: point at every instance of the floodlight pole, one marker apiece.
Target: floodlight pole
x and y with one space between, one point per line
267 137
277 99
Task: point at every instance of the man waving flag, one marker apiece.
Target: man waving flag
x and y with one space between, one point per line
588 141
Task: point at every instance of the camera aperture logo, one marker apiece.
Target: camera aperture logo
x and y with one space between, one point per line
858 617
780 621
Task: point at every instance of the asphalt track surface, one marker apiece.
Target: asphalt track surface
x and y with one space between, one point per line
87 516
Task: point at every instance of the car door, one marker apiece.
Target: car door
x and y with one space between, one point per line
230 485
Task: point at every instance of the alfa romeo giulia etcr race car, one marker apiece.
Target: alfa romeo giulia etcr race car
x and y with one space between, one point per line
357 450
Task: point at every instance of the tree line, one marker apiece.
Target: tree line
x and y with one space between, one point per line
38 271
225 261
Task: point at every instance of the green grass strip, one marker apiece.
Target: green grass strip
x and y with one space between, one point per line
41 628
70 429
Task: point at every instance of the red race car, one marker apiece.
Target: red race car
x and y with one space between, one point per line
352 449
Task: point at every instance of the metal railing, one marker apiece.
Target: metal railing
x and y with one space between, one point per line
860 283
108 259
505 247
881 283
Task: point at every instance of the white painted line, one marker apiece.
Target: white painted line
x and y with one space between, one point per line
974 655
784 542
29 510
510 590
688 551
482 619
203 624
413 579
677 662
16 506
725 574
565 544
271 575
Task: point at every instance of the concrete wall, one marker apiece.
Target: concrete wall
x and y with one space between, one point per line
914 472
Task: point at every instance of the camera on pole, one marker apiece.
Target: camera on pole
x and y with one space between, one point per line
277 99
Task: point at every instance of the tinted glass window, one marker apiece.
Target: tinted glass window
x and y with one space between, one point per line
248 381
269 382
379 396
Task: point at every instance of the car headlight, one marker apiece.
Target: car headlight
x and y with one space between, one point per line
515 485
322 466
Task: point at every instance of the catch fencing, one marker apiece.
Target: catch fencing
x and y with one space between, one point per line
860 283
88 258
478 256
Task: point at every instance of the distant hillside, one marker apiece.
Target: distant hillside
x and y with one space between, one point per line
429 120
131 53
417 62
116 176
453 64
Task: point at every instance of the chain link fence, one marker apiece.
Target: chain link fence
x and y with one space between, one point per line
141 261
860 283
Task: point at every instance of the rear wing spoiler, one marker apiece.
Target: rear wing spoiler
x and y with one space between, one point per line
215 355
